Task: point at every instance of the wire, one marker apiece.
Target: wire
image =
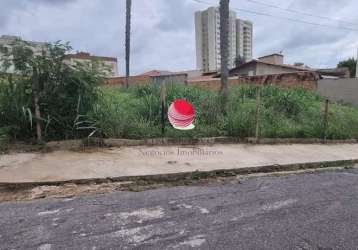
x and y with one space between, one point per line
299 12
281 17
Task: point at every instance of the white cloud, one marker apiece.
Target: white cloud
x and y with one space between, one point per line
163 30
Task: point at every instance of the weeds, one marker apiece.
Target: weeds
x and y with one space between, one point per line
135 113
284 113
4 139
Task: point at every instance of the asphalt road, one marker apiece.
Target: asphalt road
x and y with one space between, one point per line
306 211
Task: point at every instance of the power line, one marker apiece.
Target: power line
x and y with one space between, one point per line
295 20
281 17
299 12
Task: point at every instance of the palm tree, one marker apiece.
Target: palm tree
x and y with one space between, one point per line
128 39
224 48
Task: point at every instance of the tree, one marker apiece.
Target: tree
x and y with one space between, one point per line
43 88
351 64
224 48
239 60
128 38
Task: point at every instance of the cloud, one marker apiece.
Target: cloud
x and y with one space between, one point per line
52 2
175 16
163 30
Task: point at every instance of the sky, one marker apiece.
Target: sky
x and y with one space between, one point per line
163 35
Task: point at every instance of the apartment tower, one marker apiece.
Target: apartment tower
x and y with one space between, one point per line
244 39
207 34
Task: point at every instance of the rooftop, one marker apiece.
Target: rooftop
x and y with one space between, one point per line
88 56
274 64
157 73
154 73
274 54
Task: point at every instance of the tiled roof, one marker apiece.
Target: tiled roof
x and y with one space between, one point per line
274 64
274 54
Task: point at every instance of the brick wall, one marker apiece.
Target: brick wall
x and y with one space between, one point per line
305 79
117 82
144 79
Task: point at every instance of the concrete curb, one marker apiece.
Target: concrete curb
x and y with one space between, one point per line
211 141
100 142
188 175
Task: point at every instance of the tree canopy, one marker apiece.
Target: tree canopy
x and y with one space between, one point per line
38 88
350 63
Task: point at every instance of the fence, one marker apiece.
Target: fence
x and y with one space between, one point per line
325 117
307 80
269 112
118 82
272 113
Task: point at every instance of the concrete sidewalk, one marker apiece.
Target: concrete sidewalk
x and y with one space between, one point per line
125 162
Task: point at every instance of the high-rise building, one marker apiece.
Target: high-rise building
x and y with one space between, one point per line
207 32
244 39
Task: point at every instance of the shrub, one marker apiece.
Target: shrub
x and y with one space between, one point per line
136 112
343 122
4 138
283 113
63 92
15 108
241 119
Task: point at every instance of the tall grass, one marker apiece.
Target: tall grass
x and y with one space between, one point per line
60 101
15 105
4 139
135 113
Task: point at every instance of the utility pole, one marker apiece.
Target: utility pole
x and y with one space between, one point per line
162 105
128 39
357 65
325 121
224 49
258 103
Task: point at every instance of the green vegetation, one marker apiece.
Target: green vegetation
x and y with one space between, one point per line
65 102
43 97
135 113
350 63
4 139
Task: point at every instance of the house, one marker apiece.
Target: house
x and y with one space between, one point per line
192 73
150 77
266 65
9 42
274 64
106 65
166 77
332 73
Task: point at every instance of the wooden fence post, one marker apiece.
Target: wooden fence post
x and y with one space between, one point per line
258 103
162 103
325 121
